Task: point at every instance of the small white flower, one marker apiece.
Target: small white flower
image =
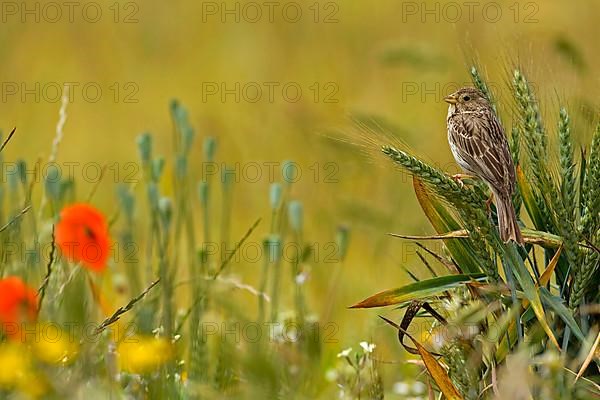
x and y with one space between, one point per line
418 387
277 332
345 353
367 347
401 388
291 333
158 331
301 278
331 375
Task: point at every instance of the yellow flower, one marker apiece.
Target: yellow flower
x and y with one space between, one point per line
54 345
143 354
17 357
20 374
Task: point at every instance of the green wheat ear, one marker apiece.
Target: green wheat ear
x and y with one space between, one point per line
589 227
557 205
564 206
536 138
479 83
515 145
590 220
536 143
443 184
467 202
567 164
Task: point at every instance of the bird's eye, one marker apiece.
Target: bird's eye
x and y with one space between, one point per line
466 98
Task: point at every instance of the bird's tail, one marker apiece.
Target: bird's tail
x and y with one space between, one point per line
507 220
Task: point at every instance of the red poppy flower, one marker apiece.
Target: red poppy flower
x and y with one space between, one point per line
82 235
18 304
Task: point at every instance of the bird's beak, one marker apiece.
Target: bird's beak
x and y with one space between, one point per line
450 99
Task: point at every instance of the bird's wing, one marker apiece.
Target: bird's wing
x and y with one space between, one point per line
479 139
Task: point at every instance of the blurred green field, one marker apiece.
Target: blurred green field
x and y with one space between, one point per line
389 60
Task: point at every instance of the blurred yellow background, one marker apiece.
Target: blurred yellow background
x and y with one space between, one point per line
388 59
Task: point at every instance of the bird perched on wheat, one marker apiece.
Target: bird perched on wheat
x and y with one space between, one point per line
479 146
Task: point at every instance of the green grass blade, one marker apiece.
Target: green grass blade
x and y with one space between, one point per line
562 311
443 221
513 260
418 290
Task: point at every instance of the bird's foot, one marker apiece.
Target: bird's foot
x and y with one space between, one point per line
458 178
488 204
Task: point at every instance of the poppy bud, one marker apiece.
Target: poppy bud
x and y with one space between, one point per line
275 195
203 193
144 142
209 148
295 213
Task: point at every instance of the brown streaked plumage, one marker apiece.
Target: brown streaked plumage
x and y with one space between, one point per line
479 146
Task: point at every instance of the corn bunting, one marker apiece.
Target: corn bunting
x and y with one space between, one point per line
480 148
